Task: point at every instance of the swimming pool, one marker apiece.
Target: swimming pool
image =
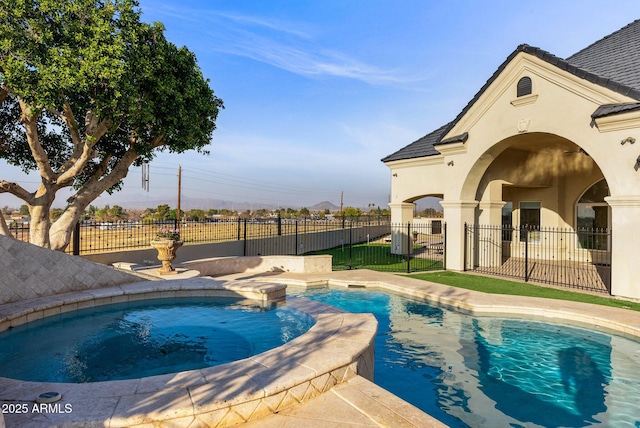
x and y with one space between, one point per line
490 371
145 338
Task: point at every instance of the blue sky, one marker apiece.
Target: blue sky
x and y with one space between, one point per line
317 92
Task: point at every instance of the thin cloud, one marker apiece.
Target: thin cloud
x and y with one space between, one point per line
290 46
308 60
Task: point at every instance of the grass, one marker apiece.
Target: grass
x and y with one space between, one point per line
501 286
375 257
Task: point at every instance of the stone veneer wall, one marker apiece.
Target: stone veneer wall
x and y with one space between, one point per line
28 271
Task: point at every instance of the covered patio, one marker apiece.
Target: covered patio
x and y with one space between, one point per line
546 143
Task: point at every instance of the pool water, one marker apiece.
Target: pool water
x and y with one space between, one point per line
144 338
493 372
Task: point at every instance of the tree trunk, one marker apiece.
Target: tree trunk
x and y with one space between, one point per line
62 228
4 229
40 225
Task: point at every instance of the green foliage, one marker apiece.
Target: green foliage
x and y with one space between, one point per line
173 214
197 215
115 213
163 212
76 64
352 212
24 210
430 212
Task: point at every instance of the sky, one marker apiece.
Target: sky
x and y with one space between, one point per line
316 93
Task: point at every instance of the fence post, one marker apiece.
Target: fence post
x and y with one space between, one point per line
239 228
244 246
350 244
76 239
526 253
409 247
444 245
279 225
466 248
296 241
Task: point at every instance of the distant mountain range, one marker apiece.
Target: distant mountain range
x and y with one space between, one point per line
186 203
142 201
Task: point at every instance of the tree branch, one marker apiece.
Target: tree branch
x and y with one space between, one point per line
17 190
82 147
4 93
96 186
39 155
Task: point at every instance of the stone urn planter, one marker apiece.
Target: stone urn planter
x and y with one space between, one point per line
166 253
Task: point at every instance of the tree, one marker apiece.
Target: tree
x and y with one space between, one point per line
197 215
352 212
24 210
86 91
163 212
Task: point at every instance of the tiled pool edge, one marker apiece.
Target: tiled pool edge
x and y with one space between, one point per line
337 348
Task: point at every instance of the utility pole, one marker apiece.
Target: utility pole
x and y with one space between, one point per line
179 185
341 199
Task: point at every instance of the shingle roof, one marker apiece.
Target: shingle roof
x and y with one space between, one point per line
612 62
616 56
421 147
610 109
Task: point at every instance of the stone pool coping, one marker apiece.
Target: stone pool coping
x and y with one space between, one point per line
610 319
339 347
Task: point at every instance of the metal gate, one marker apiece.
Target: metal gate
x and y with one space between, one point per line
567 257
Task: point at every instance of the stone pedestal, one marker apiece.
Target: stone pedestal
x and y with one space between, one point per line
166 254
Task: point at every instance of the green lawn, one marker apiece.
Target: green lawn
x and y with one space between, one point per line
502 286
375 257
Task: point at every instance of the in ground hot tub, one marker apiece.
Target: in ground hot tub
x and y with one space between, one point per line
146 338
336 348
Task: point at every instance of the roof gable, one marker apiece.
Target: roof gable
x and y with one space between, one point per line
603 63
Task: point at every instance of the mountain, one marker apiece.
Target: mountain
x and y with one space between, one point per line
324 205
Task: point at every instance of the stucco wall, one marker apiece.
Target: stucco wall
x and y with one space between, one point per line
28 271
186 252
257 264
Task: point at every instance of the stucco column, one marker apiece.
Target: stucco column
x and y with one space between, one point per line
401 214
625 245
456 214
491 212
490 239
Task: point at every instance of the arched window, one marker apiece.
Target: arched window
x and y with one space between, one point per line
592 217
524 87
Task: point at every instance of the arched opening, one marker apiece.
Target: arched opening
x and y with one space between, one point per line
540 217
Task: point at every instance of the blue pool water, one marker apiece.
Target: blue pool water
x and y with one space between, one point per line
492 372
144 338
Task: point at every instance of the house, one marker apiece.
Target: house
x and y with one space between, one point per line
547 143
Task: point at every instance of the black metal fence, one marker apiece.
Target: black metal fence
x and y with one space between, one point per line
93 237
392 248
367 242
567 257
